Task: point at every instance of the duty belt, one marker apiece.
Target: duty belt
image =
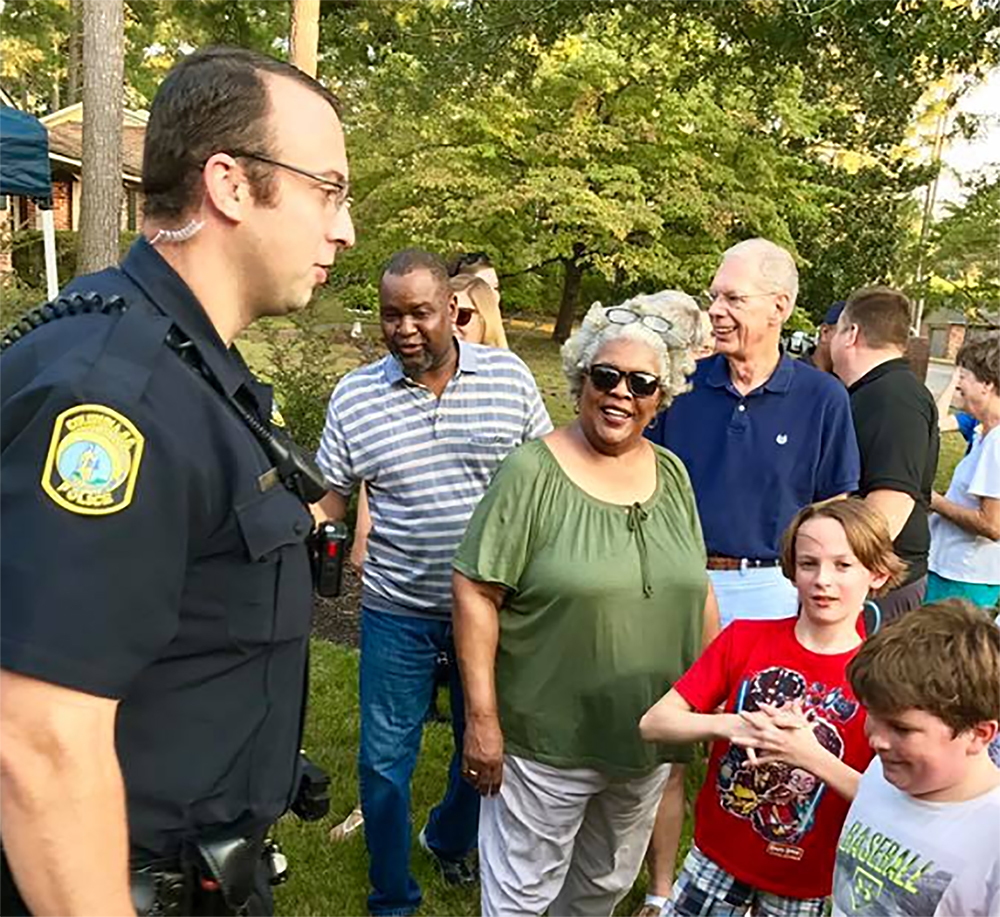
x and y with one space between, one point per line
209 877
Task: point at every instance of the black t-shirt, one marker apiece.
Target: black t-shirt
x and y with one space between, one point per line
146 559
896 422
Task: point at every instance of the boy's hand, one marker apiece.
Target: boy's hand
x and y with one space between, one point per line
778 734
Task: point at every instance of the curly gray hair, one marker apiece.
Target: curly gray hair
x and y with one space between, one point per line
673 348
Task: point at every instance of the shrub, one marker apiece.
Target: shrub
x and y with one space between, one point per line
28 254
16 298
303 371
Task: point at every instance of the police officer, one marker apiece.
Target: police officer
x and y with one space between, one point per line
155 583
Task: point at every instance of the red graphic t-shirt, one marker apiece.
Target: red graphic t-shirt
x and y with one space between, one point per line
774 826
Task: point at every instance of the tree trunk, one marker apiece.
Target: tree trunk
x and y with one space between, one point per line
570 294
101 179
304 40
74 65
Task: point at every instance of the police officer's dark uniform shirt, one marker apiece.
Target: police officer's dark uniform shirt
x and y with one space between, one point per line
897 426
144 560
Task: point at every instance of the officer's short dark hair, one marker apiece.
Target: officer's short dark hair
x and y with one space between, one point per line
211 101
468 263
418 259
882 315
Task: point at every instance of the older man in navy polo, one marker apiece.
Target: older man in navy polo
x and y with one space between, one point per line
761 435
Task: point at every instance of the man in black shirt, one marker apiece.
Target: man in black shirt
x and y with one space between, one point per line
895 419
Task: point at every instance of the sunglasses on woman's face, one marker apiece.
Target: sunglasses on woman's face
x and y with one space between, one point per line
464 317
606 379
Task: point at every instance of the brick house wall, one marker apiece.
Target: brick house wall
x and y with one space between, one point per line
66 207
5 258
62 204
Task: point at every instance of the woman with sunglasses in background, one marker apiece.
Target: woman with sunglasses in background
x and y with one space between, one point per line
478 318
580 592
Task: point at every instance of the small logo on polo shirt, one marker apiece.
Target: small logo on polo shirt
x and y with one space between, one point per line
781 439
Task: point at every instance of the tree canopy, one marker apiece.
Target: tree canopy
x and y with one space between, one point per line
596 147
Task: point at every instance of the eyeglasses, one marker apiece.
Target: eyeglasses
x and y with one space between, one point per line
734 300
337 192
606 378
619 315
464 316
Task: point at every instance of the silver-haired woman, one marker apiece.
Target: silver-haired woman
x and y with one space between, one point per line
580 597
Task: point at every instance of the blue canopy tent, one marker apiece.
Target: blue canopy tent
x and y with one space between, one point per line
24 172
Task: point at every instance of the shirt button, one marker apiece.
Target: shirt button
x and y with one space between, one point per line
742 407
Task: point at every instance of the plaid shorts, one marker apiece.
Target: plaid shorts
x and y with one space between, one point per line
704 888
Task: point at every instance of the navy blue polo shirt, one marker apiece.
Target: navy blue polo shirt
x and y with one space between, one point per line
146 559
756 460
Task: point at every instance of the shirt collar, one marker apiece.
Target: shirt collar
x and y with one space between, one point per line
146 268
468 357
468 362
779 381
877 372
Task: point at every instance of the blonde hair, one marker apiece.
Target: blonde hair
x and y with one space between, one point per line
487 304
674 353
867 533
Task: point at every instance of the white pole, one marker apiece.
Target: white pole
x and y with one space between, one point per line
49 241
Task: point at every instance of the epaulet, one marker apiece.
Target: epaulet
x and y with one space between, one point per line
63 307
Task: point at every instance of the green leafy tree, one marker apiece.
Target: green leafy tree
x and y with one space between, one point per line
34 52
618 147
604 159
964 253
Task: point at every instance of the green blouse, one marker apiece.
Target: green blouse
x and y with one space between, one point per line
603 611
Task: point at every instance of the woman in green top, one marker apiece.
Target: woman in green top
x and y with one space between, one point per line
580 597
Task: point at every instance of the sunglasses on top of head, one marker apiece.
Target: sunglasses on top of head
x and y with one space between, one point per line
606 378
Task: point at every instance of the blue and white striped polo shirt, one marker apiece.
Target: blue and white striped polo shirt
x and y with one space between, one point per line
427 462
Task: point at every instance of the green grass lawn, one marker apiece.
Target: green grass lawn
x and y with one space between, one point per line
328 878
952 450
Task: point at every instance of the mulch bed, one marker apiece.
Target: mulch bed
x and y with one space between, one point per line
339 620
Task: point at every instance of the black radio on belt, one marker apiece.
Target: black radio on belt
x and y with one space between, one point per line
312 796
327 546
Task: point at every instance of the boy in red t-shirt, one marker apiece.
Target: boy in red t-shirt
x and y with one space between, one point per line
789 749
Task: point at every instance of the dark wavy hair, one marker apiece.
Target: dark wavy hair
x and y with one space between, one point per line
981 357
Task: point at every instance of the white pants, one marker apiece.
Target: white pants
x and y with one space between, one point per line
566 841
756 593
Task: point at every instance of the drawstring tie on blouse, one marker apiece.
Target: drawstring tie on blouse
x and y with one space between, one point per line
636 517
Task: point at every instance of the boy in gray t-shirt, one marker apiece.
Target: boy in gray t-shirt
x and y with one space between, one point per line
922 837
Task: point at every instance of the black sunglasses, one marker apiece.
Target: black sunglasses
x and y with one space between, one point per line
606 379
464 317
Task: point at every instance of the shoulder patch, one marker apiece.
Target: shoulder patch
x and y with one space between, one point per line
93 460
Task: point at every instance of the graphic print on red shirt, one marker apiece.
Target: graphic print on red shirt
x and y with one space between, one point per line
774 826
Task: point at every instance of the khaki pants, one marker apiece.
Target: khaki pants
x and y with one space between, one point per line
566 841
